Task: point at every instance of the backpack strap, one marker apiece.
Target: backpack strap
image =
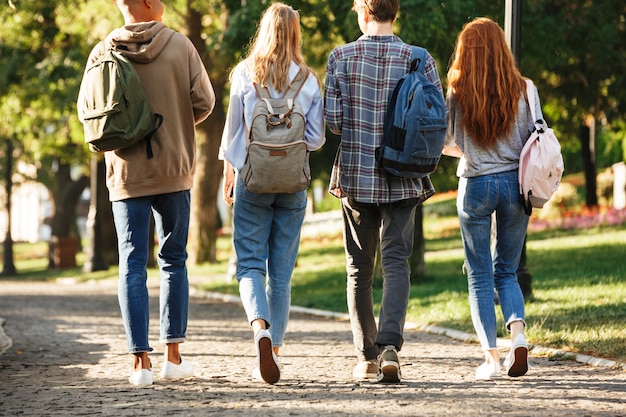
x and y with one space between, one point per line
262 92
292 90
297 84
539 124
148 137
418 58
530 94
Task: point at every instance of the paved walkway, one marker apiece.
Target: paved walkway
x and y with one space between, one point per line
68 358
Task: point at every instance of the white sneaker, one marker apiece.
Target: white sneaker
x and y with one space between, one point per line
488 371
516 362
365 370
5 342
268 366
172 371
141 377
256 372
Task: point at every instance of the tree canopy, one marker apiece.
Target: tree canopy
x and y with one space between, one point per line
573 50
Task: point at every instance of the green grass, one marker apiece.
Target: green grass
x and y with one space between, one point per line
579 291
579 282
580 301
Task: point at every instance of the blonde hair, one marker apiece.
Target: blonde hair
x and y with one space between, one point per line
485 81
277 42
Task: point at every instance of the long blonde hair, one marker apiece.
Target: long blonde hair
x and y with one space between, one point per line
484 79
277 42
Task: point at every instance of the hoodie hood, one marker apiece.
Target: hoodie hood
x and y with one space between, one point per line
140 42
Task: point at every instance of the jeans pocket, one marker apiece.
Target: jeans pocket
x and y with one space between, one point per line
475 196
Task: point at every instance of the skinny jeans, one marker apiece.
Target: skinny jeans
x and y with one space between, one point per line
477 199
267 238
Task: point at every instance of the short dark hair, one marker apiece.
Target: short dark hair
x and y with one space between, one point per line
380 10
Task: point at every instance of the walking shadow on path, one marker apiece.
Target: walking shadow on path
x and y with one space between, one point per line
69 358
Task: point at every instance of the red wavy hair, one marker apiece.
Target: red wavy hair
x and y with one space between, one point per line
485 81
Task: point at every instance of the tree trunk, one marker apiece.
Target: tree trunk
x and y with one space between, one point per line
65 196
417 261
204 215
8 268
95 260
203 226
524 277
587 138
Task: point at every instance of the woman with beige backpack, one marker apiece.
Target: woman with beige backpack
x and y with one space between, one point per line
267 224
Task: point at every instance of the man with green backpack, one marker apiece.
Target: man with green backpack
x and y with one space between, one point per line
176 86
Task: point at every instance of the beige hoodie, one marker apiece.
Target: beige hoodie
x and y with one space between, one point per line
177 86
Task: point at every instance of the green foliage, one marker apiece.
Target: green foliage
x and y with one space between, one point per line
344 21
573 50
44 49
577 71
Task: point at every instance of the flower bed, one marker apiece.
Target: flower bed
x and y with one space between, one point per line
584 219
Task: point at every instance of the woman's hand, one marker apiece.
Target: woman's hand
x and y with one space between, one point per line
453 151
229 183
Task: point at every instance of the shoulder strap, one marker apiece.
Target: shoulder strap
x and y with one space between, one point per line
530 94
296 85
262 92
418 58
292 90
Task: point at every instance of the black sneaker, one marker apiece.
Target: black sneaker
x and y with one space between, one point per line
389 365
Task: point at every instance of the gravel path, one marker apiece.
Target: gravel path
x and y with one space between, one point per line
68 358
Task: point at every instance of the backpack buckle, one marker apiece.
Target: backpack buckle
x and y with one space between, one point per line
277 119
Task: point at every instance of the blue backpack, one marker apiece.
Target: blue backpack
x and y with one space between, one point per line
415 124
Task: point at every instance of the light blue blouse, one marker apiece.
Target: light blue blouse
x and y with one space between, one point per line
243 97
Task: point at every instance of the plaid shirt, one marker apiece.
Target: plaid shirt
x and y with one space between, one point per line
360 78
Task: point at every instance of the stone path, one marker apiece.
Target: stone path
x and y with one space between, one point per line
68 359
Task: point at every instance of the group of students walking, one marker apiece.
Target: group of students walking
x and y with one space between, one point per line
488 122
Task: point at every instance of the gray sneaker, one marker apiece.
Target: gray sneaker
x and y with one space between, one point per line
389 365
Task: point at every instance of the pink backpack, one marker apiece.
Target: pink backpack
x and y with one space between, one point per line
540 163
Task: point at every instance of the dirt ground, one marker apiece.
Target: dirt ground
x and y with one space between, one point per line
69 358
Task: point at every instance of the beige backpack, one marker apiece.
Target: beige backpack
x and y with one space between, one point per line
277 159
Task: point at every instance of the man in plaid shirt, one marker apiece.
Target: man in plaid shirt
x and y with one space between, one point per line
378 209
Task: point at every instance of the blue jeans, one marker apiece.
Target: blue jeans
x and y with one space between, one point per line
478 198
366 227
132 222
266 238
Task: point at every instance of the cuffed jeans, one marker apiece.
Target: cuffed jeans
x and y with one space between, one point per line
366 226
477 199
132 223
267 238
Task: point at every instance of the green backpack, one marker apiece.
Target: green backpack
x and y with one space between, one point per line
112 106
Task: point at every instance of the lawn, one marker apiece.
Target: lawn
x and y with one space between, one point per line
579 291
